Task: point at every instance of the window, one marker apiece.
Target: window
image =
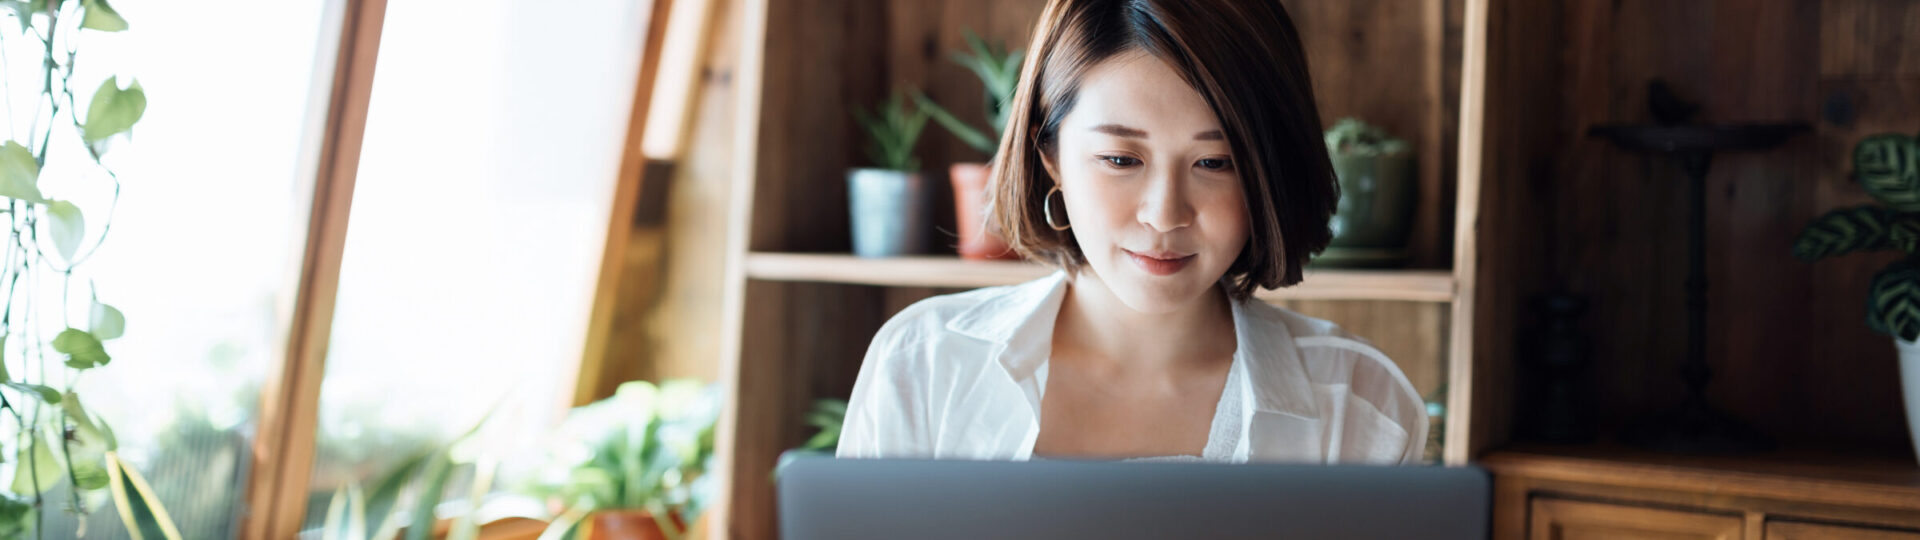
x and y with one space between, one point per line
480 212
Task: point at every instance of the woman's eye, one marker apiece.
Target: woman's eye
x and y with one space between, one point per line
1216 164
1120 161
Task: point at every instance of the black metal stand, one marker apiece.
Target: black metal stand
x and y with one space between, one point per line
1697 428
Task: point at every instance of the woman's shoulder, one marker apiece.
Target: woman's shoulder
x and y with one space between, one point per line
931 316
1332 355
1310 334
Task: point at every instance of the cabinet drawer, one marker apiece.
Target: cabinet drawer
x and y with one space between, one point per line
1561 519
1795 530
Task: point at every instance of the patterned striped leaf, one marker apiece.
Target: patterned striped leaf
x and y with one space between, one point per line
1888 165
1893 302
1863 228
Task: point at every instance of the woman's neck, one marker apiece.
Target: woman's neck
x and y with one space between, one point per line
1093 321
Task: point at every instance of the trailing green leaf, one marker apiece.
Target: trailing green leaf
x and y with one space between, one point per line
82 349
114 110
1893 300
1888 166
1861 228
46 395
37 470
66 226
102 17
107 322
19 173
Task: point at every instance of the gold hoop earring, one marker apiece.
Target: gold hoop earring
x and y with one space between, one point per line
1046 210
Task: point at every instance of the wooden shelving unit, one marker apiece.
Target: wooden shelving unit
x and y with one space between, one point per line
954 273
799 312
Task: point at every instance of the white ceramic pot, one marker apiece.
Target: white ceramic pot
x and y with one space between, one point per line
1910 385
889 211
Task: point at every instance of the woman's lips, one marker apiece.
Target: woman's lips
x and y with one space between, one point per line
1159 264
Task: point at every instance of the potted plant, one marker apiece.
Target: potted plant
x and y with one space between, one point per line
1377 192
888 201
1888 166
999 72
633 466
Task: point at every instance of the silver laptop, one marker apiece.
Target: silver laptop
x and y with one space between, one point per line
822 498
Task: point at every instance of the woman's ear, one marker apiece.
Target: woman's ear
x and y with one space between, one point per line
1053 169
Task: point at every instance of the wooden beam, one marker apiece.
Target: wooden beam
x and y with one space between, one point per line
1460 440
749 74
289 405
626 201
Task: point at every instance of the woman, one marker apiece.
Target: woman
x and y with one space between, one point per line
1166 157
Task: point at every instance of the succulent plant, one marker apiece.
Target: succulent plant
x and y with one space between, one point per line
1888 166
999 72
893 130
1352 137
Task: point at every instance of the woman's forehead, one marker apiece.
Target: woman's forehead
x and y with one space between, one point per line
1141 92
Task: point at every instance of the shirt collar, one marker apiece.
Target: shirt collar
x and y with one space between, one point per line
1020 319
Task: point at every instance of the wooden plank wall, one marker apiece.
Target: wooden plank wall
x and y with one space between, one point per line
1786 339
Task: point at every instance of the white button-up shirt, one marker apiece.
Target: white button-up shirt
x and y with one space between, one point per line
961 376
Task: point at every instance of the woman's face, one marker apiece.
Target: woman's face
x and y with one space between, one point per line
1150 183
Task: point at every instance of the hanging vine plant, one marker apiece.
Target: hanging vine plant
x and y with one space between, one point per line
53 325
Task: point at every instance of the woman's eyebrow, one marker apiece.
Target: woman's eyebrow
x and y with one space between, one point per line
1118 130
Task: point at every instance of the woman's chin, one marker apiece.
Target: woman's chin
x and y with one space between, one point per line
1147 293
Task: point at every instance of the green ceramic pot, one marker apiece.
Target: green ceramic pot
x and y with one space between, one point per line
1377 194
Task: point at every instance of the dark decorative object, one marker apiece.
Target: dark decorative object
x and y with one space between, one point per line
1559 411
1696 427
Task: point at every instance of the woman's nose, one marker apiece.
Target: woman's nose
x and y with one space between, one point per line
1165 207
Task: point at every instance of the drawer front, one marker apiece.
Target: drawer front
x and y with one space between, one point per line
1794 530
1561 519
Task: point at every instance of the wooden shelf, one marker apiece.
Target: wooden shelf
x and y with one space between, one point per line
953 272
1852 477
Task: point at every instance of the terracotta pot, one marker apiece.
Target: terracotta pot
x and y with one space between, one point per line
977 241
627 525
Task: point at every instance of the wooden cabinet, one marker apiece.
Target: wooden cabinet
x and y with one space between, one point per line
1562 519
1563 493
1794 530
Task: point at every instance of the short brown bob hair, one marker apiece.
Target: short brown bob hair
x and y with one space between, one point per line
1244 57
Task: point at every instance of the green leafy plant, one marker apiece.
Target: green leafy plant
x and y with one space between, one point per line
999 72
1350 136
354 514
1888 166
893 130
646 448
827 416
51 337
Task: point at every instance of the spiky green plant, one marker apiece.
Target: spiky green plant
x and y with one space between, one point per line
1888 166
893 130
999 72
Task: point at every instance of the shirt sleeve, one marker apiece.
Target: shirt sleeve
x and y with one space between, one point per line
887 414
1383 420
